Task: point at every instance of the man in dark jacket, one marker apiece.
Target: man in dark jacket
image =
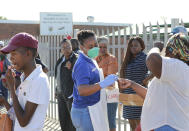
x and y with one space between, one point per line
64 89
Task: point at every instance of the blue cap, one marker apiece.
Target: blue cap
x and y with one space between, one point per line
179 29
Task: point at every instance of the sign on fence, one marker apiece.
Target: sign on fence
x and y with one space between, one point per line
55 23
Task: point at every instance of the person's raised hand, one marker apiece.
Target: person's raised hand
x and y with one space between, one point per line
109 80
124 83
68 65
10 78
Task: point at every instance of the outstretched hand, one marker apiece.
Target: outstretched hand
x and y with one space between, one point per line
10 78
124 83
109 80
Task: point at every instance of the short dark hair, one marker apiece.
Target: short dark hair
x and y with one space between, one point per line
74 41
65 40
161 42
84 34
33 50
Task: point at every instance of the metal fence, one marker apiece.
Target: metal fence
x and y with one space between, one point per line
49 51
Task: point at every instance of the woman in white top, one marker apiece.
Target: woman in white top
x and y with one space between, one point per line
166 105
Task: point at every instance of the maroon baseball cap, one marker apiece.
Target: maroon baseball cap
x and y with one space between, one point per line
20 40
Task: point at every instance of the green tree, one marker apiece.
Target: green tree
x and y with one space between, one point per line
3 18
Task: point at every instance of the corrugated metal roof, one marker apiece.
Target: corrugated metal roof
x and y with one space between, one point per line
74 23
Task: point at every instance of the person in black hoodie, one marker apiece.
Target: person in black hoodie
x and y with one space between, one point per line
64 89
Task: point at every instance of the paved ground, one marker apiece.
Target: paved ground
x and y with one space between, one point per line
50 124
53 125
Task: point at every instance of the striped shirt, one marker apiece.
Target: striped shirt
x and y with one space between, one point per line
136 71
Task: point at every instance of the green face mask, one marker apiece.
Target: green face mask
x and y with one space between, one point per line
92 53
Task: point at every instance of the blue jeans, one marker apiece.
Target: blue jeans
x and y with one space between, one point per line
165 128
81 119
112 109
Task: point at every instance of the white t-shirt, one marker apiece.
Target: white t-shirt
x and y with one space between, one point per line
35 89
167 99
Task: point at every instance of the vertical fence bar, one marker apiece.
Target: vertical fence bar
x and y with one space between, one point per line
92 29
174 22
145 37
45 40
131 31
125 44
57 47
51 54
119 48
125 124
113 41
54 84
151 37
97 32
182 23
158 31
102 32
137 30
125 39
125 50
165 32
119 65
52 64
51 76
108 35
55 59
49 73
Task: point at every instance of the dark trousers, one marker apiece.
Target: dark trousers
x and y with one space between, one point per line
64 109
